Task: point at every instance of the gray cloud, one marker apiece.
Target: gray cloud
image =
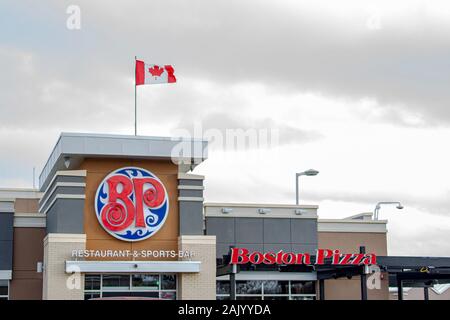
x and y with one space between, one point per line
223 123
438 204
424 241
403 66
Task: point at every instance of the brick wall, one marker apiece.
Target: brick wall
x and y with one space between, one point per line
57 284
202 285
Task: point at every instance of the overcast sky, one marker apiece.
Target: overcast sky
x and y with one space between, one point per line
359 90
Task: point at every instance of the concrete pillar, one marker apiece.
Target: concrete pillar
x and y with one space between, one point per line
57 284
201 285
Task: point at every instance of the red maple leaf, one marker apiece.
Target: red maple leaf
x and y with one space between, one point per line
156 71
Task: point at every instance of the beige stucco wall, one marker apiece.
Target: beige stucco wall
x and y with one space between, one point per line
345 289
349 242
202 285
57 284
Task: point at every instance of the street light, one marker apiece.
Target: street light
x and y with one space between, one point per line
378 206
309 173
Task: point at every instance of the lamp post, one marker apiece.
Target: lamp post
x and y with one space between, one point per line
379 204
310 172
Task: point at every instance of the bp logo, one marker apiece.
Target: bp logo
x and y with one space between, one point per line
131 204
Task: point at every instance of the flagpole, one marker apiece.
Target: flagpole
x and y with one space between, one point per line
135 104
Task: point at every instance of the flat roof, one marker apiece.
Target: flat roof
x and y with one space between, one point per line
185 152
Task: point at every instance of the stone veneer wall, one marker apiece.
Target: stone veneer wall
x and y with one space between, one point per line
202 285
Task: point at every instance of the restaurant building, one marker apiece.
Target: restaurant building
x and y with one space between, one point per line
119 216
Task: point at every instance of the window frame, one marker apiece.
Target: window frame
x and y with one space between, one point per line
2 297
130 288
262 295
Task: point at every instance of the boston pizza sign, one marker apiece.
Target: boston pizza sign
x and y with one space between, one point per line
131 204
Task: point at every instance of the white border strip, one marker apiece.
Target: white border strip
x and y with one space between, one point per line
186 176
5 274
196 199
19 193
60 184
29 220
351 226
187 187
133 266
6 206
63 196
68 173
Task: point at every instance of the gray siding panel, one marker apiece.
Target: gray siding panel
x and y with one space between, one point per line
263 234
186 182
251 246
52 220
6 252
222 249
249 230
6 240
6 226
277 230
191 193
191 217
75 179
223 228
63 190
191 212
275 247
304 231
66 216
309 248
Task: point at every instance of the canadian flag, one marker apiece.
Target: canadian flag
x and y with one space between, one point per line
152 73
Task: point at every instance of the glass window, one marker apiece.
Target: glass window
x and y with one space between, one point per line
92 282
267 290
168 282
155 286
116 281
146 281
223 287
303 298
249 298
276 297
91 295
168 295
302 287
249 287
276 287
131 294
4 289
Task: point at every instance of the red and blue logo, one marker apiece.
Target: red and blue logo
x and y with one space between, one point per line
131 204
